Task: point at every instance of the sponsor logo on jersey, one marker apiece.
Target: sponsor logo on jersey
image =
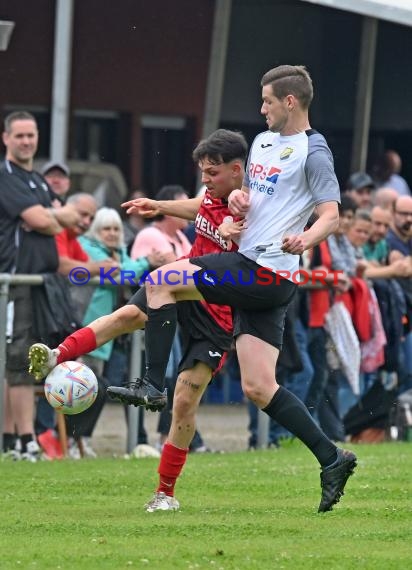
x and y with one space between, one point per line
273 175
268 173
204 227
265 178
286 152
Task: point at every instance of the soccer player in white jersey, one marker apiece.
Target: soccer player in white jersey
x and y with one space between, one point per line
289 174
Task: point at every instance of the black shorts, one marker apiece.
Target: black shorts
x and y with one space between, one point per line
16 372
259 297
203 340
195 350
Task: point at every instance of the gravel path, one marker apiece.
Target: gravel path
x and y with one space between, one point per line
223 428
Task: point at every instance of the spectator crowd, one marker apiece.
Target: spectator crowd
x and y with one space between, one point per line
347 346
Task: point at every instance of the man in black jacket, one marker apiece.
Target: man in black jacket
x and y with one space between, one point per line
28 225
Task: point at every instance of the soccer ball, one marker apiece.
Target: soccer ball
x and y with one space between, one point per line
71 387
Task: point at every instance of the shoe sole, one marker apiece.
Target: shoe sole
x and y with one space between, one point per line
152 407
351 465
38 359
148 510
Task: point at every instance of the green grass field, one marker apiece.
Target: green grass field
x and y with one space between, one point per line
243 510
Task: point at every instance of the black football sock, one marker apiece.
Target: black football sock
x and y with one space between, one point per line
9 441
291 413
25 439
160 330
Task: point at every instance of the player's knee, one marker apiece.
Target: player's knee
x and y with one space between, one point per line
137 319
184 404
130 318
257 389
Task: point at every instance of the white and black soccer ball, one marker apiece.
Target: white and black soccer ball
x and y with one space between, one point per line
71 387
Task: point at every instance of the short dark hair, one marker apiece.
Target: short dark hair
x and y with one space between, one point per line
346 203
290 80
168 192
221 147
17 116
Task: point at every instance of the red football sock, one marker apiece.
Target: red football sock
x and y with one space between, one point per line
170 466
79 343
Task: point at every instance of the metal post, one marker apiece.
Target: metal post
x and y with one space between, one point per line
4 297
263 430
134 372
61 80
216 72
217 64
364 94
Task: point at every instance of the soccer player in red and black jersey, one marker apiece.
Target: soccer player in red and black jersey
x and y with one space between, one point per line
207 328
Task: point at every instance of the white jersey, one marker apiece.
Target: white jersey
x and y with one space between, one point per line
287 177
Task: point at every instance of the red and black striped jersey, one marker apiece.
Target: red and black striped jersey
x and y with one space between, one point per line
212 213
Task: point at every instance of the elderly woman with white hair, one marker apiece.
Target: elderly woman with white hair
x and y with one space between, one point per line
104 239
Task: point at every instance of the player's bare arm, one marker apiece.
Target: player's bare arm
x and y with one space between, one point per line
326 224
148 208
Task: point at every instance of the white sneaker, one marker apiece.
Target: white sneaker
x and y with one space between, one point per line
11 455
74 451
32 453
162 502
42 360
144 450
88 449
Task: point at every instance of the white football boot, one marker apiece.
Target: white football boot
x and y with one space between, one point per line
162 502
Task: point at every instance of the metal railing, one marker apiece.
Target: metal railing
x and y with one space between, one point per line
6 281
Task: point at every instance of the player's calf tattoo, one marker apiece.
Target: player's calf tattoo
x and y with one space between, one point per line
186 382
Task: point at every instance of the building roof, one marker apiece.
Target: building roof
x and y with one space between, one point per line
396 11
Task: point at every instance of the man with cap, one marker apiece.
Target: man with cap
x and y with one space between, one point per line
57 175
359 187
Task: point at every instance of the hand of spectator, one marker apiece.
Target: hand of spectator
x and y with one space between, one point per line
146 207
402 267
238 203
67 215
56 203
338 280
361 266
106 265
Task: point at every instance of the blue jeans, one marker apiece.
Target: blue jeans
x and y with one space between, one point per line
405 368
329 416
317 354
45 416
